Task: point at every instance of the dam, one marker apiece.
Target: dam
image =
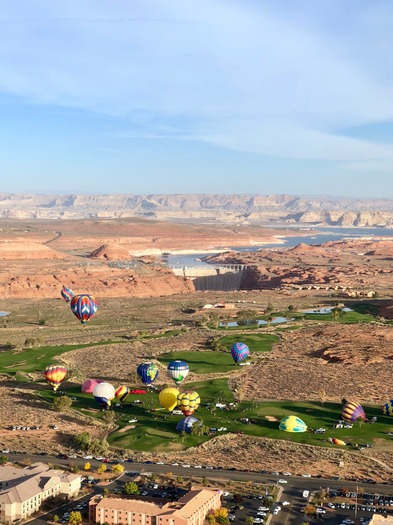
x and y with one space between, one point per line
213 277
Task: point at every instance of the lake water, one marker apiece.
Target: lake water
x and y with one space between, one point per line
326 310
312 236
3 314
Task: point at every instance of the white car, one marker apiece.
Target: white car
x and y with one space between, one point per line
226 494
282 481
263 508
320 510
286 474
331 505
257 520
306 475
87 457
285 503
276 511
197 466
186 466
132 420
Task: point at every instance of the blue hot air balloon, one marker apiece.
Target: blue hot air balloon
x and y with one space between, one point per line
387 408
148 373
67 294
178 371
240 352
185 424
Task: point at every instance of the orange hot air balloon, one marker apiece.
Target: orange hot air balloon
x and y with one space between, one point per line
55 375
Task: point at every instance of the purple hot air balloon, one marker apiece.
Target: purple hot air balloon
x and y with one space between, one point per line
240 352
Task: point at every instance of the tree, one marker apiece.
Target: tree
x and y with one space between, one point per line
62 403
56 518
360 421
337 312
3 460
74 469
131 488
291 308
179 479
322 395
109 417
117 469
101 469
82 441
309 509
87 466
98 446
75 518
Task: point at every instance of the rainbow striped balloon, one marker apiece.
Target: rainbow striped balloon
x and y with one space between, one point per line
84 307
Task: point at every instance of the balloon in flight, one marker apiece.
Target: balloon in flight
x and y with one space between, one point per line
104 393
67 294
240 352
293 424
55 375
84 307
188 402
353 411
147 372
168 398
178 370
122 393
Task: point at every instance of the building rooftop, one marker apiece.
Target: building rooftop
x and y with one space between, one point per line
133 505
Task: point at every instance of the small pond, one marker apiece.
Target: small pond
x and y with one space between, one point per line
275 320
325 310
4 314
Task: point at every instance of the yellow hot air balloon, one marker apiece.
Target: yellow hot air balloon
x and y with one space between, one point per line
188 402
168 398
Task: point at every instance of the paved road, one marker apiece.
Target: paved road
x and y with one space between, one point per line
292 490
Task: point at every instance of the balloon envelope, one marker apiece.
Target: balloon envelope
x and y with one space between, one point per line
387 408
104 393
188 402
178 370
84 307
185 425
122 393
147 372
67 294
240 352
338 441
293 424
88 385
168 398
55 375
352 411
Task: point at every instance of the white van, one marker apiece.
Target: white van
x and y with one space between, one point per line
306 493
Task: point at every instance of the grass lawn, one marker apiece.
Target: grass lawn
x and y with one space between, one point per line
156 430
37 359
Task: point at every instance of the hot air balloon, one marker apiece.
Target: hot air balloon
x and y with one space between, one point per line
84 307
55 375
188 402
387 408
168 398
122 393
185 425
178 371
67 294
240 352
352 411
292 424
88 385
148 373
104 393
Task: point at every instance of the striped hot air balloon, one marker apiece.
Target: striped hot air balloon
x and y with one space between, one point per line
122 393
67 294
240 352
387 408
188 402
352 411
55 375
292 424
84 307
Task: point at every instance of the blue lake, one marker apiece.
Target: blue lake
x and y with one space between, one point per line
4 314
275 320
311 236
326 310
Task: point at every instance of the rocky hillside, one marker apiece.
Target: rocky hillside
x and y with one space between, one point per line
240 209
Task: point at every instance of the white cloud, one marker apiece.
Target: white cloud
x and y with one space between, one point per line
240 75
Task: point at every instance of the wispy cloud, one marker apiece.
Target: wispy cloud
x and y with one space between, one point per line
253 76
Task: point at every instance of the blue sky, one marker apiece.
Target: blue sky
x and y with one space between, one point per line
197 96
